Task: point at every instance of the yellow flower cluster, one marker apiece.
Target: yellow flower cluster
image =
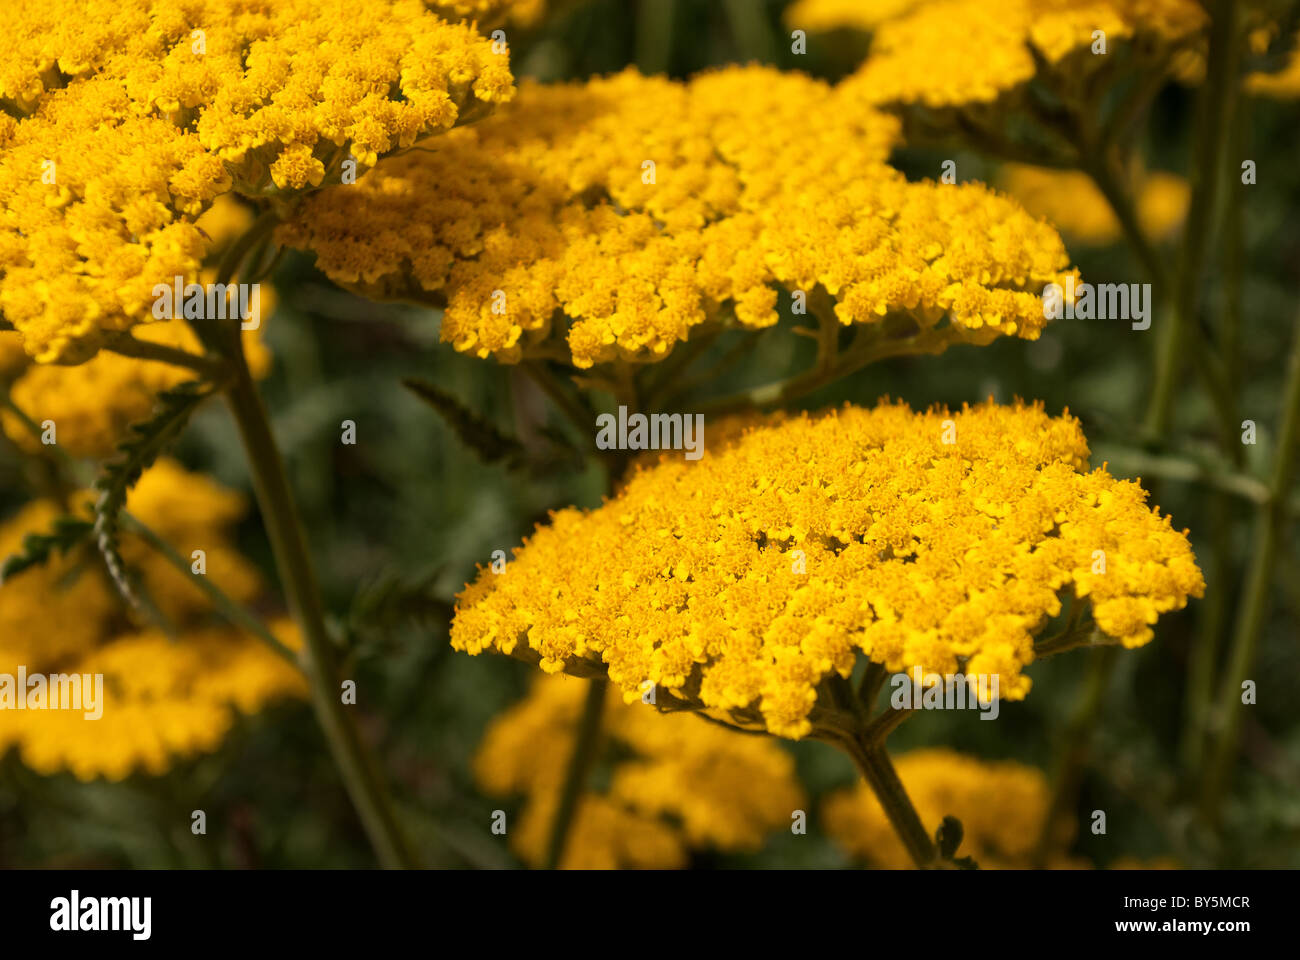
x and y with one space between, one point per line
133 115
678 784
1071 202
490 13
92 404
164 698
817 16
935 540
1001 806
944 53
637 207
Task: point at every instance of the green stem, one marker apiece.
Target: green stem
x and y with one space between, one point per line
1270 522
583 420
1204 656
575 776
293 561
873 763
228 608
1075 747
1218 96
129 346
870 350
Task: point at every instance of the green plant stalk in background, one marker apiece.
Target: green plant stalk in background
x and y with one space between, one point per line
1270 520
361 775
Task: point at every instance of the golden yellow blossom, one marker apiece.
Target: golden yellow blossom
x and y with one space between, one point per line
742 581
489 13
639 208
816 16
52 611
164 698
677 783
944 53
1001 806
1071 202
93 403
134 115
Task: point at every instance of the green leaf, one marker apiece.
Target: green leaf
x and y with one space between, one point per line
144 442
66 534
489 443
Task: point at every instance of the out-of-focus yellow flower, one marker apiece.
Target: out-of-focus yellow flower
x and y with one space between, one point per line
946 53
93 403
638 208
1163 199
741 582
677 783
490 13
1285 83
1001 806
816 16
1071 202
163 698
125 119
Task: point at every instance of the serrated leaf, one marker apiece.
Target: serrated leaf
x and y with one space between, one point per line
489 443
144 442
66 534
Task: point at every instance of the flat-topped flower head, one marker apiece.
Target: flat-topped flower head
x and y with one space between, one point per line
940 541
605 220
125 120
951 53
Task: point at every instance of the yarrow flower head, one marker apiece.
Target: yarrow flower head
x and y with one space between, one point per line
950 53
622 213
125 119
676 783
164 698
937 540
